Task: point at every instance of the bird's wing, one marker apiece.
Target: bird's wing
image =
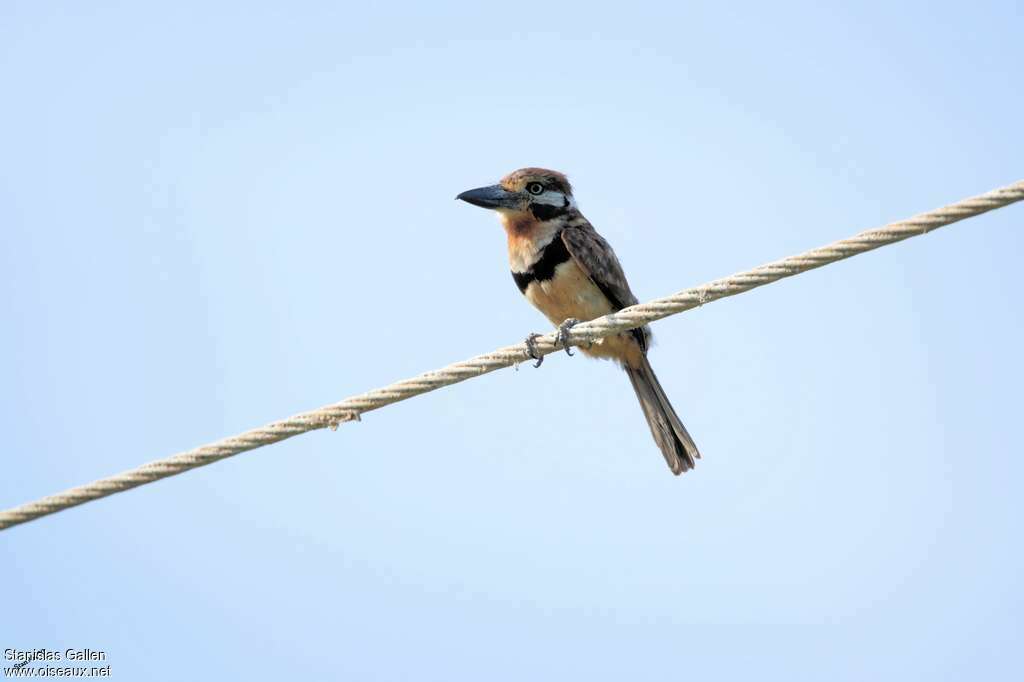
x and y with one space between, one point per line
595 257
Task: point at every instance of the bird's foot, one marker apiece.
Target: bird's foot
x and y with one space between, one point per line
531 350
562 336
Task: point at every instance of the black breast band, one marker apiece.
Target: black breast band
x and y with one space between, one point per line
554 254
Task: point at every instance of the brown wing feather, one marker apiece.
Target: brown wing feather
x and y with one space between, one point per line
595 257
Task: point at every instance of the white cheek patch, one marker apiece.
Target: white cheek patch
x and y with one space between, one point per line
552 198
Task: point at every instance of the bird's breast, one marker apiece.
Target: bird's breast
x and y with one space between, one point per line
549 276
570 293
567 292
552 280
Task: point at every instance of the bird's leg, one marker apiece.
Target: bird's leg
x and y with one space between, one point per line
562 336
531 349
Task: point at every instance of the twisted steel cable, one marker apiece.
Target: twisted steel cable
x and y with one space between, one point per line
635 316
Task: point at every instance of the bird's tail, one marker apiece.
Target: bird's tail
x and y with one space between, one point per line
669 433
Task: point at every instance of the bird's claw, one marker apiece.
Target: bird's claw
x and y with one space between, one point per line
531 350
562 336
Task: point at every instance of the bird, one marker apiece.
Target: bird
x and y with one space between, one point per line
570 273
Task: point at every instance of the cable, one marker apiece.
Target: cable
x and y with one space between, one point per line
635 316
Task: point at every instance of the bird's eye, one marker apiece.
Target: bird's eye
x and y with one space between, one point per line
535 188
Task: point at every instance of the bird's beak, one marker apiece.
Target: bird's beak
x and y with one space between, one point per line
494 196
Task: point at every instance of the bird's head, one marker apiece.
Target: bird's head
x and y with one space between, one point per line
546 194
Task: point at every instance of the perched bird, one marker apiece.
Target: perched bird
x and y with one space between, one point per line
570 273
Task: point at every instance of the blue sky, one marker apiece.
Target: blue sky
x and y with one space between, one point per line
215 217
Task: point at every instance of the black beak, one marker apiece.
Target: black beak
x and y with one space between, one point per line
494 196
